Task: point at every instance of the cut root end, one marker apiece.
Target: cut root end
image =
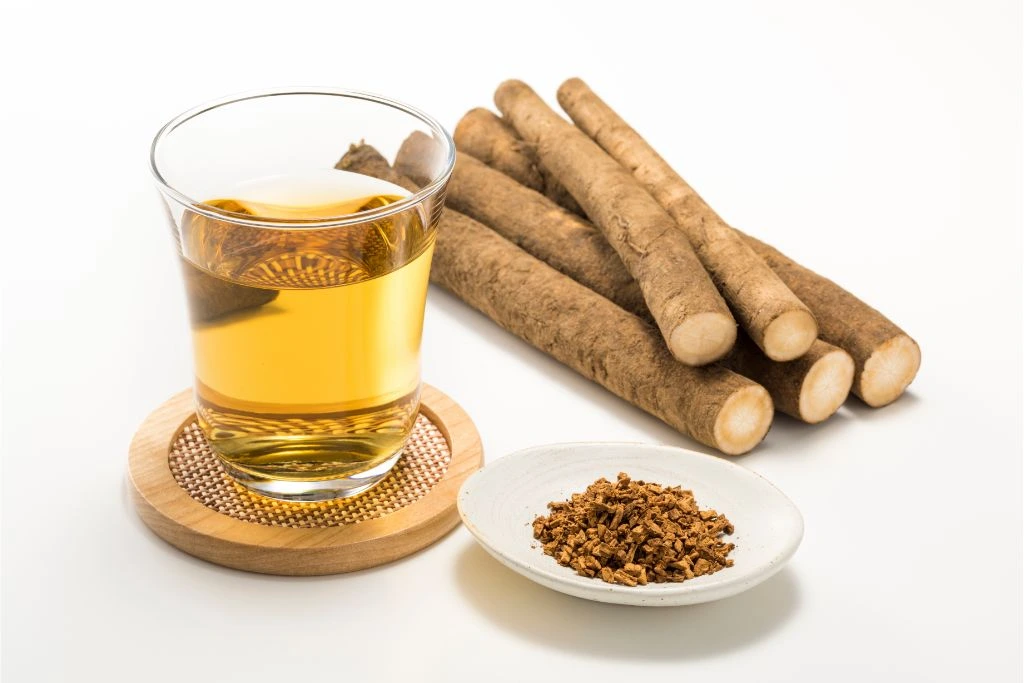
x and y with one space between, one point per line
790 335
889 370
744 420
826 386
703 338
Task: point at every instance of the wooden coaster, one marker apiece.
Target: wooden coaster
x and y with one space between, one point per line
183 494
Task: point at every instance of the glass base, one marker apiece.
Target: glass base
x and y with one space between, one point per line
313 491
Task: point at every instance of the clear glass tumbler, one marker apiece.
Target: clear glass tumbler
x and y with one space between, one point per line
306 284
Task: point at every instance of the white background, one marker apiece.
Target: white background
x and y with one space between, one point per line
877 141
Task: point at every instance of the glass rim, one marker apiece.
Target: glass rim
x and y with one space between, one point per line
401 205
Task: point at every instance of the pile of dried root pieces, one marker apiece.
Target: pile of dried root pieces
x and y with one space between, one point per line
632 532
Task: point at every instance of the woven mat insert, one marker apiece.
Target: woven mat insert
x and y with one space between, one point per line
201 474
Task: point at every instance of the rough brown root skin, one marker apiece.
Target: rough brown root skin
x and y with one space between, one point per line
810 388
875 393
363 158
767 310
482 134
514 170
576 248
657 254
885 357
595 337
533 222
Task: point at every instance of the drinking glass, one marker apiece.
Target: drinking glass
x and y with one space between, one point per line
306 283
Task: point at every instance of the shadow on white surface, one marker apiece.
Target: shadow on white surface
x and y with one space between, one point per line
895 410
788 431
551 619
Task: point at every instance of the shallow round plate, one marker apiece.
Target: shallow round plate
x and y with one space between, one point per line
499 503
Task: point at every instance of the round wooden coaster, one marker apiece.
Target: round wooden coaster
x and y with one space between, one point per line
183 494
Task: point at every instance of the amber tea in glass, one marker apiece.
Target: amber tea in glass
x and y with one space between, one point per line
306 285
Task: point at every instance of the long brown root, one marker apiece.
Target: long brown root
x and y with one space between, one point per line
484 135
810 388
771 314
691 314
886 358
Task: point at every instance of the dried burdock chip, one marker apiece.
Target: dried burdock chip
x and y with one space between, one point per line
632 532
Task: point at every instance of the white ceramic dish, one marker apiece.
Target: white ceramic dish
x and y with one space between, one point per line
499 503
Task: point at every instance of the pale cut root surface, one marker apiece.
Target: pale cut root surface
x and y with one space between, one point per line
703 338
744 420
826 386
790 335
889 370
